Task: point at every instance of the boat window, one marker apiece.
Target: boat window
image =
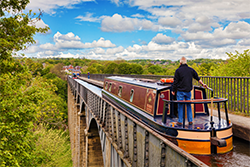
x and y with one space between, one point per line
131 95
120 91
106 85
110 86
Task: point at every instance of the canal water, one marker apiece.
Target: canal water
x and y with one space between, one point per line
239 157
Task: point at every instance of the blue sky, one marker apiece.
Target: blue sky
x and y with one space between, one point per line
141 29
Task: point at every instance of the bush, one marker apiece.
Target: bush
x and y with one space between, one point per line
52 148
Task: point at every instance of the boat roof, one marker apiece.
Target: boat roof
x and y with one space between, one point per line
153 84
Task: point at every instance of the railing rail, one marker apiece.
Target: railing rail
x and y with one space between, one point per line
235 89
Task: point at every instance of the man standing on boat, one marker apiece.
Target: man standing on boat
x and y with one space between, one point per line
182 87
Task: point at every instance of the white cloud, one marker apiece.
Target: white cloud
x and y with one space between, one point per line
117 23
138 15
202 23
117 2
135 48
115 50
40 24
32 49
50 5
220 37
99 51
169 21
68 37
102 43
244 42
162 39
49 52
71 41
67 55
223 9
89 17
48 46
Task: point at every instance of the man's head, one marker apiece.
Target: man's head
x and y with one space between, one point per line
183 60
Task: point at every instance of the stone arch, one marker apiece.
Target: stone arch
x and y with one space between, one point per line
95 157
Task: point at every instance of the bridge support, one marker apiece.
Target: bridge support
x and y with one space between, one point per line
94 148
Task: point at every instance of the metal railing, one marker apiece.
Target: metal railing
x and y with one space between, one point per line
235 89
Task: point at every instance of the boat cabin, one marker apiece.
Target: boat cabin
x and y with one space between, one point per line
148 95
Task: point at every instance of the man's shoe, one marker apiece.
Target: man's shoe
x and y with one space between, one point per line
190 123
178 123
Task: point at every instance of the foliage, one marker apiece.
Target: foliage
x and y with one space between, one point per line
57 69
52 148
155 69
25 97
124 68
20 97
136 69
237 65
112 68
95 68
16 31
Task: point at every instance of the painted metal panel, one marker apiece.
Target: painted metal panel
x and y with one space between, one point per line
130 139
123 131
154 151
140 145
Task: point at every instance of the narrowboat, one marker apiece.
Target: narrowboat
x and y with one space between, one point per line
152 103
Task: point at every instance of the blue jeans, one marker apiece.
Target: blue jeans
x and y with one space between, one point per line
184 96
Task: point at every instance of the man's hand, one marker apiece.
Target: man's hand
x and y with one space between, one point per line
173 93
205 86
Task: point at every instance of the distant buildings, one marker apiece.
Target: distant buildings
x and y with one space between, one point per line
160 62
71 69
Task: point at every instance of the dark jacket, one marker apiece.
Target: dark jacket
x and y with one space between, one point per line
183 78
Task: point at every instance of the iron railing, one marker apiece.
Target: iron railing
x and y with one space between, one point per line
235 89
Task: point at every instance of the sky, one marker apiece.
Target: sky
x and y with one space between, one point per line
141 29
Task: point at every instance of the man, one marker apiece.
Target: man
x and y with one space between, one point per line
183 85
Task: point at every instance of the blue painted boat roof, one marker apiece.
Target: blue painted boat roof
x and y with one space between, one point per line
136 81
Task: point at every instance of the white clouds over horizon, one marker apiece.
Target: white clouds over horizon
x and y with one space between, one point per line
198 29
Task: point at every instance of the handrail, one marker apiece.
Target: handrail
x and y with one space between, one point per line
196 101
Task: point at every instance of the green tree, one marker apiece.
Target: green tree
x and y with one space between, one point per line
52 147
136 69
237 65
57 69
19 95
124 68
92 70
111 68
155 69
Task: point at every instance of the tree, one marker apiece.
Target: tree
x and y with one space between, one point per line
19 93
124 68
92 70
136 69
57 69
16 31
155 69
112 68
237 65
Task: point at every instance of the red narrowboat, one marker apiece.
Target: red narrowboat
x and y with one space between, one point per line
152 103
